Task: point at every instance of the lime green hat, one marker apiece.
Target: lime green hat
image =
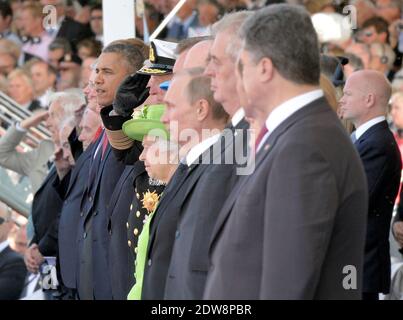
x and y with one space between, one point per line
146 121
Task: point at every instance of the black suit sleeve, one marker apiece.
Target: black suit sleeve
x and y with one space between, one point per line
375 160
125 149
48 244
12 278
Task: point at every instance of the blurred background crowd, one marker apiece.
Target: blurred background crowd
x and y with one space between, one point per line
36 62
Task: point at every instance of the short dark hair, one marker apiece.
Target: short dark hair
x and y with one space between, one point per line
133 55
60 43
5 9
285 34
96 6
94 45
379 23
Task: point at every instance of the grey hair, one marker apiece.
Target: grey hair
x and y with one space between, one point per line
133 56
230 24
384 50
70 100
285 34
70 121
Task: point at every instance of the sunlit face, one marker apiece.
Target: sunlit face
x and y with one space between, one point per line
7 64
41 78
89 126
208 14
96 22
20 90
179 114
53 121
29 22
221 69
110 72
352 104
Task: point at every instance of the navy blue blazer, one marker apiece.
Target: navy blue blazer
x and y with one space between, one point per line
12 274
95 206
382 163
69 218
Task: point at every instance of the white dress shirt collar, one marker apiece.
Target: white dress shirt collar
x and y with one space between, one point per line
286 109
364 127
197 150
4 245
237 117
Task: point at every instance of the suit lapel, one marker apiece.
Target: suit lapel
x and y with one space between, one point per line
261 155
85 156
367 134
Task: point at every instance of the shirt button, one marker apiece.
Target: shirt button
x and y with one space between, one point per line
177 233
135 250
149 262
85 235
138 214
127 225
129 243
138 196
81 214
136 231
90 199
131 207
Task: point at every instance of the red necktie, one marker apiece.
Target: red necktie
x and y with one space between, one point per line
104 144
259 138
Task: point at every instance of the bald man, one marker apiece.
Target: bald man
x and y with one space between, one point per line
365 102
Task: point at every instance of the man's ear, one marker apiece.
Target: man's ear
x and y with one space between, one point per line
370 100
265 70
202 109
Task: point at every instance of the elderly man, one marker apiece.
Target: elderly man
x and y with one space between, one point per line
12 268
365 103
189 262
289 229
47 204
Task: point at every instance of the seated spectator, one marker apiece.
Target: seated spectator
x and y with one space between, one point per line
21 89
57 50
186 18
382 59
96 22
43 79
9 55
361 50
12 268
388 9
354 64
69 72
36 40
86 69
209 13
6 17
67 27
89 48
375 29
20 241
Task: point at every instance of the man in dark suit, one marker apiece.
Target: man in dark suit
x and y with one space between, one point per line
291 228
12 267
66 27
365 103
189 262
117 61
189 110
71 193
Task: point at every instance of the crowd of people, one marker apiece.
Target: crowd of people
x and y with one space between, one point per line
252 151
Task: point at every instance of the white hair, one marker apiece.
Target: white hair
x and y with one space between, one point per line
70 100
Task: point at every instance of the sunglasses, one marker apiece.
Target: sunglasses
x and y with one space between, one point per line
2 220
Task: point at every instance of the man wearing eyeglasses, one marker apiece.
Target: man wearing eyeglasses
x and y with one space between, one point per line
12 267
